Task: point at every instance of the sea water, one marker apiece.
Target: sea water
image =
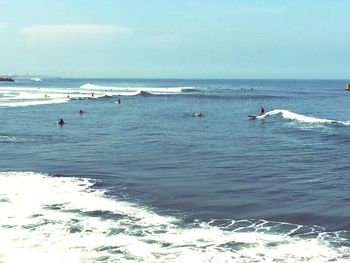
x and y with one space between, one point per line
150 179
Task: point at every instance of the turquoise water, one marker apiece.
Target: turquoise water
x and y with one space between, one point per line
149 180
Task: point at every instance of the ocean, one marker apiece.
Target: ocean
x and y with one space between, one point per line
175 172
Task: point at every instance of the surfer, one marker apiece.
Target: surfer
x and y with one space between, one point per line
119 101
262 110
81 111
61 122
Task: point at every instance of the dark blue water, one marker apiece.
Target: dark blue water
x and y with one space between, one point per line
151 150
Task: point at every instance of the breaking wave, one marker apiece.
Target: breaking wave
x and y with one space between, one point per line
32 103
29 96
301 118
155 91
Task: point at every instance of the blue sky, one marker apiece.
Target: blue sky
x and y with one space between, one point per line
176 39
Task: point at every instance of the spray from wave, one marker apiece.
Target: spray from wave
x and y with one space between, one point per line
61 219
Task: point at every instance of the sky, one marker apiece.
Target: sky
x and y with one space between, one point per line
176 39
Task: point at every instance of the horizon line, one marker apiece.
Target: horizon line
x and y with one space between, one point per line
169 78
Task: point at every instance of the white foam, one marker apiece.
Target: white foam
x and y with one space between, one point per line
20 97
60 219
32 103
158 90
28 96
35 90
301 118
36 79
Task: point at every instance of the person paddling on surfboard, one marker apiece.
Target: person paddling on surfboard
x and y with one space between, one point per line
262 110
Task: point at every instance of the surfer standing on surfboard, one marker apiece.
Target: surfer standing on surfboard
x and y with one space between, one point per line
262 110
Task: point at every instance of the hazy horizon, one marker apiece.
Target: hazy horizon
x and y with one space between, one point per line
157 78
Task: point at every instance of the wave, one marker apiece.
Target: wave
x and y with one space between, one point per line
20 96
63 219
29 96
301 118
32 103
7 138
155 91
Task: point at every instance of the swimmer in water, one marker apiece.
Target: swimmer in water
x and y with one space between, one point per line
61 122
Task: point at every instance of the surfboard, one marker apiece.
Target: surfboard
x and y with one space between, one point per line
260 117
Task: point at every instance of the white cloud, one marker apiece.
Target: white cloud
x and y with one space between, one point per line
72 32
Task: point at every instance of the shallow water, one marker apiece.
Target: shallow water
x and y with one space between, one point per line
151 181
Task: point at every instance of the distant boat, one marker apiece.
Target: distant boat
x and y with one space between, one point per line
347 86
7 79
